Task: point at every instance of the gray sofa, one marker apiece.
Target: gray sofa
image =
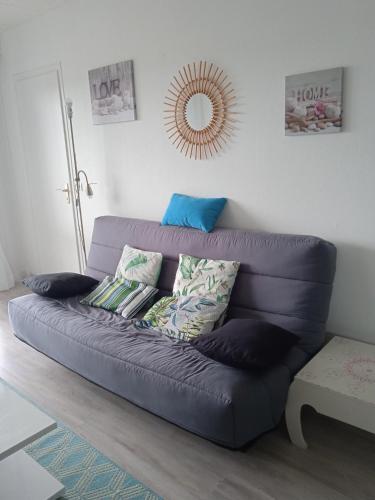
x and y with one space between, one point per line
284 279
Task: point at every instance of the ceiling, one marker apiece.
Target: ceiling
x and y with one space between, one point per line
13 12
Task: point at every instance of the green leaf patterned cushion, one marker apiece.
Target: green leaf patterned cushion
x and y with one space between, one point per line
183 317
139 265
205 277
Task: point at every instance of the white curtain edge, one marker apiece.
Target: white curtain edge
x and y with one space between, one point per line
6 275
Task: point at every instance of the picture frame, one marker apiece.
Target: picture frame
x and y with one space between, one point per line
112 93
314 102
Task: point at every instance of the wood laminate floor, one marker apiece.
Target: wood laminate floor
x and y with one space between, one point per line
339 464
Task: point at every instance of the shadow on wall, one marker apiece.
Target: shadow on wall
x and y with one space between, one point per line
235 212
353 299
116 195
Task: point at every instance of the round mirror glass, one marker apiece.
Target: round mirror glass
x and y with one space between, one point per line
199 111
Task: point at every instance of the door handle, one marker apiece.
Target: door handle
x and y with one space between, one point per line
66 190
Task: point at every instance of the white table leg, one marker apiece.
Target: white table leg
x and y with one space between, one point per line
293 417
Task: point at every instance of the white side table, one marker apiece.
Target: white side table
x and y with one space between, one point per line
338 382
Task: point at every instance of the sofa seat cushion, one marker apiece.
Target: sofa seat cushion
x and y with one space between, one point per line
169 378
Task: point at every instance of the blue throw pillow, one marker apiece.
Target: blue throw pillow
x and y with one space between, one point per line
187 211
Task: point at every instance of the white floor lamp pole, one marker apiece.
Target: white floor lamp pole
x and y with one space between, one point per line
77 181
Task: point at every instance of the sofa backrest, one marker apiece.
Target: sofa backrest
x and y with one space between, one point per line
284 279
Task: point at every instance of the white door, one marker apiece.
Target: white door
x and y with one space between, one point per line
40 111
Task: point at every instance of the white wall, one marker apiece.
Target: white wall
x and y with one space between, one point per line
8 237
319 185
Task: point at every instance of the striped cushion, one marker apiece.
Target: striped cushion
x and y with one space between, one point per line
139 301
118 295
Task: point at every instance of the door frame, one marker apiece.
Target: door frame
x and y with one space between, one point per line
56 69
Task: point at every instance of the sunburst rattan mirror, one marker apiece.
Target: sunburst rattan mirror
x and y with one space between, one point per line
199 115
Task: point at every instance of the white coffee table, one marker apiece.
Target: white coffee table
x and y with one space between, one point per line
338 382
20 424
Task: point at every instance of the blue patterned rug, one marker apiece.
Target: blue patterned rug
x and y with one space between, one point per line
86 473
